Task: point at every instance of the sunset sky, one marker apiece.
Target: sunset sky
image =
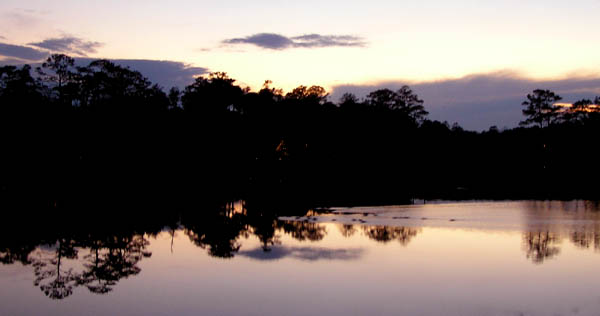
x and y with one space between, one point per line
350 44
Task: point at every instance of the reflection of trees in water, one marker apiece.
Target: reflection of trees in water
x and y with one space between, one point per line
541 245
265 231
116 259
12 253
56 281
67 251
97 276
124 253
558 218
347 230
593 206
572 209
584 240
586 237
110 259
386 234
218 233
303 230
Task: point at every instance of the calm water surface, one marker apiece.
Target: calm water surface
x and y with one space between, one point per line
492 258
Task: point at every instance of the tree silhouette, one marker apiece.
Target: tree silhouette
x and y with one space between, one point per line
384 99
18 89
581 111
270 94
404 101
540 108
106 85
411 105
59 69
348 100
104 132
174 98
215 95
313 94
351 107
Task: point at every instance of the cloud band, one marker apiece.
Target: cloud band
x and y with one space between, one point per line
280 42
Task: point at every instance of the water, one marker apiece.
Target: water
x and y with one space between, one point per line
484 258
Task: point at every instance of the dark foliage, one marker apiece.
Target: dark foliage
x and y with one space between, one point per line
104 135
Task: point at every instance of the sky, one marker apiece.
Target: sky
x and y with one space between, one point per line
431 45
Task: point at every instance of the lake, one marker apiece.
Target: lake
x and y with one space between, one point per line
451 258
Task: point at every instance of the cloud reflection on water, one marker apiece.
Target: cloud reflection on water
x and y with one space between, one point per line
303 253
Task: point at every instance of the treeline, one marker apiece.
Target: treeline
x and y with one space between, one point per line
105 135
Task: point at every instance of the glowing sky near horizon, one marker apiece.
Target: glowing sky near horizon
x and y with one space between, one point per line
405 40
